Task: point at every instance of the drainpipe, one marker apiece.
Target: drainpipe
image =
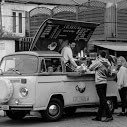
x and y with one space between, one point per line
0 19
116 24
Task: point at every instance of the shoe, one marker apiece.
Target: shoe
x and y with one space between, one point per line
122 114
108 119
96 119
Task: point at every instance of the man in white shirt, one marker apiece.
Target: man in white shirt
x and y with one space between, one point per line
68 56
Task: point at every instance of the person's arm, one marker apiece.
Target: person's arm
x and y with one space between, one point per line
74 63
70 56
94 65
120 78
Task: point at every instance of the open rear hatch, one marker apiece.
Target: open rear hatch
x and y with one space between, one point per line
53 31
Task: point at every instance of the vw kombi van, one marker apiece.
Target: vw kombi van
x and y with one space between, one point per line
37 80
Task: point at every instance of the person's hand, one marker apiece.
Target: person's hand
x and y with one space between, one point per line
78 67
75 59
119 87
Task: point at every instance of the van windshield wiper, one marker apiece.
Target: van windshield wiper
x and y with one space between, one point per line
14 70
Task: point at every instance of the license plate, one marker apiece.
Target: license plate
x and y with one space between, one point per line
4 107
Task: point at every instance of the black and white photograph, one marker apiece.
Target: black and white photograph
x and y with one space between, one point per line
63 63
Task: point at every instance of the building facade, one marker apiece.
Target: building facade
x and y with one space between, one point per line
22 18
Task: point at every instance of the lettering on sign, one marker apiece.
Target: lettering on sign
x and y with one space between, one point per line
47 30
15 81
80 99
57 31
2 46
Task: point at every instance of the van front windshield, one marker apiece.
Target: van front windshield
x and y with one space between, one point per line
20 64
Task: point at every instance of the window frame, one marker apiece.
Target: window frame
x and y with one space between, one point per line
20 22
16 65
44 61
17 23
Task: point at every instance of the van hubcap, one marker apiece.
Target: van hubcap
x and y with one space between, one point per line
53 110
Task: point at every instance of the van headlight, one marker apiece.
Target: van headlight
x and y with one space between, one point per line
23 91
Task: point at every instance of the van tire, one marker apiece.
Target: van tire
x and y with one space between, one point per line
55 114
16 115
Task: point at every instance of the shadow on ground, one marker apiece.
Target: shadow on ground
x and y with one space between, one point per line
28 120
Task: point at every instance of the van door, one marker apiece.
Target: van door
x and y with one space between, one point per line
80 89
49 81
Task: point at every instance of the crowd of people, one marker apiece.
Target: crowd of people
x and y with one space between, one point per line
102 68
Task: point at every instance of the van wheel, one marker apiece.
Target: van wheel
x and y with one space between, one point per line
110 103
70 110
16 115
54 110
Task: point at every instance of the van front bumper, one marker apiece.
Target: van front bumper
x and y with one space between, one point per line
16 107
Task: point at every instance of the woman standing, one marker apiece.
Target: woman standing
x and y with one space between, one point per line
122 83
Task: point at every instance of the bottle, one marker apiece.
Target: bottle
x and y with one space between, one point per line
81 53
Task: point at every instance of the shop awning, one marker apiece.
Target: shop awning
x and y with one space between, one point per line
116 46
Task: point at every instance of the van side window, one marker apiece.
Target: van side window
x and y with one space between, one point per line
53 64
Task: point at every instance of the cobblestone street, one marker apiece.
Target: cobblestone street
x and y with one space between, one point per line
82 118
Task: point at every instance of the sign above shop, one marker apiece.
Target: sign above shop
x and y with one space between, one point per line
54 29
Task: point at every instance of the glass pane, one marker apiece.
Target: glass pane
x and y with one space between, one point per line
22 63
53 65
14 21
20 22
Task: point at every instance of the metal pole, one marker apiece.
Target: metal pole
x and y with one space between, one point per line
1 30
116 24
116 21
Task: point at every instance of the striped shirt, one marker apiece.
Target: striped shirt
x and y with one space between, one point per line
100 66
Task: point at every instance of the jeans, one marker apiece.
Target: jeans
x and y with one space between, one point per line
123 96
101 91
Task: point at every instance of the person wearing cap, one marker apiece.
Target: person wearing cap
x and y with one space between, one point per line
68 56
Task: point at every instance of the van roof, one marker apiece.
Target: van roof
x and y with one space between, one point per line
38 53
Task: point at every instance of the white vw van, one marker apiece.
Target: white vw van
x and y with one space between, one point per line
37 80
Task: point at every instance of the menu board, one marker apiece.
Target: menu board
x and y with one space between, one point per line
53 30
76 33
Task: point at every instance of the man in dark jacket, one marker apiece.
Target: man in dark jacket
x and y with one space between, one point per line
101 66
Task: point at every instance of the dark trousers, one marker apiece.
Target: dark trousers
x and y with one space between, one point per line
123 96
103 107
